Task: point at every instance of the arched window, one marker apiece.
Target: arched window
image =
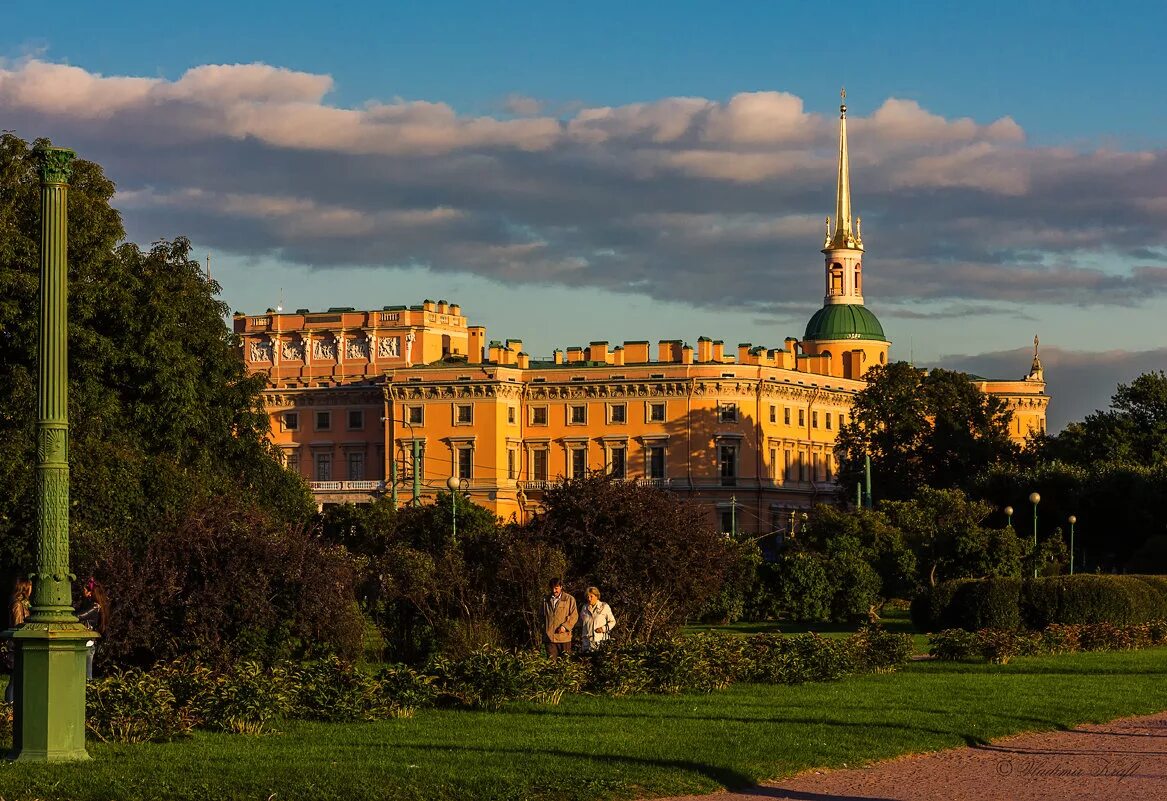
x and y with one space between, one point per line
858 279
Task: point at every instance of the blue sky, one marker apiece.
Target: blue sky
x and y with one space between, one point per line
650 172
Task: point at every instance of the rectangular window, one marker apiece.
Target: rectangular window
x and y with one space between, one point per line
292 461
830 467
511 414
356 419
414 415
656 412
801 418
323 421
803 467
291 421
538 415
356 467
773 414
827 420
786 415
463 414
814 419
774 463
539 465
656 461
840 419
788 465
617 413
324 467
619 464
727 413
727 465
577 414
465 463
512 464
579 462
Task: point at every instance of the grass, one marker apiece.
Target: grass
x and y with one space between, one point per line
895 620
608 748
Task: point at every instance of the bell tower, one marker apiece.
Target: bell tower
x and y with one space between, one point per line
843 246
846 336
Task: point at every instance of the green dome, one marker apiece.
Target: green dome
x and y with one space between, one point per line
844 321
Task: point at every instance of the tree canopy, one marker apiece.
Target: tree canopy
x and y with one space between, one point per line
921 429
162 411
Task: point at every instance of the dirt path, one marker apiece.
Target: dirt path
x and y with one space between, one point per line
1124 759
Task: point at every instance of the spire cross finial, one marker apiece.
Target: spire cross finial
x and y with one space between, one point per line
843 101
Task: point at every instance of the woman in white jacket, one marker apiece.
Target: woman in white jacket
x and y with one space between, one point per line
596 621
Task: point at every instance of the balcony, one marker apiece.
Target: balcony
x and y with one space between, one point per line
346 486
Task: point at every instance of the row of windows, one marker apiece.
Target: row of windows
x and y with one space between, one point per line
795 465
355 419
827 417
576 414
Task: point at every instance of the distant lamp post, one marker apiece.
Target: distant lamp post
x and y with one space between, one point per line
455 484
1008 510
1035 499
1072 520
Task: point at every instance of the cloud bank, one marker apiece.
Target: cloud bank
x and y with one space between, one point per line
708 202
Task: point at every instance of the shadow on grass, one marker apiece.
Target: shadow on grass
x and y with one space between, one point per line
726 777
969 739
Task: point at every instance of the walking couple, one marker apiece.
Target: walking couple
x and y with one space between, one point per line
560 616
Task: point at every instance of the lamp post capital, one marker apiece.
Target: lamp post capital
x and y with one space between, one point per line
55 164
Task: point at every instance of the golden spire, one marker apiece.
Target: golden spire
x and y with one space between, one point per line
844 236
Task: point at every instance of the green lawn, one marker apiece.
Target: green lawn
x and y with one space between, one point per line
592 748
896 620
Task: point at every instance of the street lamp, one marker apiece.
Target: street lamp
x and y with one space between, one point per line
1072 519
1035 499
454 484
1008 510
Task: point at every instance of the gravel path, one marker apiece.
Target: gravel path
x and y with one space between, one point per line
1124 759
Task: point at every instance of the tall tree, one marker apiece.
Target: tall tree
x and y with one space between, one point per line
1133 430
922 429
162 410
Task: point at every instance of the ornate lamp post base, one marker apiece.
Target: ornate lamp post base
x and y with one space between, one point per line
49 714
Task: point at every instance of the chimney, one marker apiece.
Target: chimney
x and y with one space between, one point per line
618 356
704 349
476 336
598 352
557 356
636 352
718 351
687 354
524 361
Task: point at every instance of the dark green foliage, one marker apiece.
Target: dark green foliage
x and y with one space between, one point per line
1005 603
943 528
135 707
796 587
174 698
226 583
921 429
1000 645
1086 598
656 557
1132 431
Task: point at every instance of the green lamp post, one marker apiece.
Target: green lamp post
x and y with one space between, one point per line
49 709
1035 499
1072 519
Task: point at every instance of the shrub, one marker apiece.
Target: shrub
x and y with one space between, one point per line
954 645
246 699
930 607
880 651
134 707
490 677
333 690
403 690
1086 598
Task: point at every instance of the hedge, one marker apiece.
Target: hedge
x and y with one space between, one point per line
1010 603
1001 645
171 700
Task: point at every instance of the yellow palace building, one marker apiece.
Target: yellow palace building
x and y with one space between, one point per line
406 401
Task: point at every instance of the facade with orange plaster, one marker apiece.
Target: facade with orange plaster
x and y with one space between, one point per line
398 401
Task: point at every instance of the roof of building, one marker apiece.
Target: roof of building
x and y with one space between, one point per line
844 321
